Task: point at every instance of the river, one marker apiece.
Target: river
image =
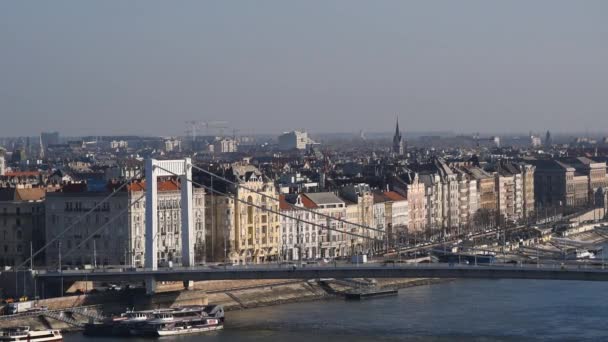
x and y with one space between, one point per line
463 310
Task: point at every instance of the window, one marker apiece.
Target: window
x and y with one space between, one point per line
249 211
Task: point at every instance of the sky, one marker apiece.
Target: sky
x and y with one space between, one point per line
146 67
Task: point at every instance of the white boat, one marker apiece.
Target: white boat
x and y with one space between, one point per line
25 334
209 325
185 320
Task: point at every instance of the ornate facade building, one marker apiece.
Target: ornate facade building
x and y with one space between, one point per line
299 238
248 233
117 227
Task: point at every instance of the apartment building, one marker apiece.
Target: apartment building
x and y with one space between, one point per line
114 233
246 221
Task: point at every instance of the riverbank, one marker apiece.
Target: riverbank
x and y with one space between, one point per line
233 295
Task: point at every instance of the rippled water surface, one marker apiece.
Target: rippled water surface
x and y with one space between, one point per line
463 310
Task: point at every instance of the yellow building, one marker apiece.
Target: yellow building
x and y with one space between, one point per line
247 232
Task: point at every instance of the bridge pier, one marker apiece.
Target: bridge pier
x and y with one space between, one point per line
150 285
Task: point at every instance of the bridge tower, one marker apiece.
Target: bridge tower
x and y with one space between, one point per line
160 168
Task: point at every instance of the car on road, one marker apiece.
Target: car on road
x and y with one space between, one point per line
287 263
114 287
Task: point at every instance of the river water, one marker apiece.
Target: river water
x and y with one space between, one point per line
463 310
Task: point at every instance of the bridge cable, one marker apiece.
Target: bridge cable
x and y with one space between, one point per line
78 219
272 211
290 204
103 226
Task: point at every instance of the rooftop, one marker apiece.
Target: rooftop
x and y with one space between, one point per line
320 198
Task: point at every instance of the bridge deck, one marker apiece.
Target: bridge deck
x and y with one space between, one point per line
342 271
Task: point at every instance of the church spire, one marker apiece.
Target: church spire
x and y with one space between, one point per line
398 143
397 133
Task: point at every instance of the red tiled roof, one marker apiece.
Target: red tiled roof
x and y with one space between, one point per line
393 196
30 194
283 205
308 203
168 185
380 198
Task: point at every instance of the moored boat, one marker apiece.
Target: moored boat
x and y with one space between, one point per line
185 320
161 322
25 334
121 325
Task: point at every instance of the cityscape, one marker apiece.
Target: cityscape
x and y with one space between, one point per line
316 171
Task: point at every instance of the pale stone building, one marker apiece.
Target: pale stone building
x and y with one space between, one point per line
397 216
249 233
122 239
21 222
416 199
380 221
468 199
2 164
352 215
334 241
299 231
360 195
225 145
294 140
169 223
515 190
434 200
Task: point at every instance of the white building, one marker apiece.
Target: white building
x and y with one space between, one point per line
299 238
396 216
380 221
294 140
434 199
296 183
121 240
116 144
225 145
496 141
2 165
333 242
172 144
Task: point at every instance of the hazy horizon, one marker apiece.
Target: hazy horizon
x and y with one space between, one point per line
146 67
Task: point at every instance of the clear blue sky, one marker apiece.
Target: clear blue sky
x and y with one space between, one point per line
144 67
